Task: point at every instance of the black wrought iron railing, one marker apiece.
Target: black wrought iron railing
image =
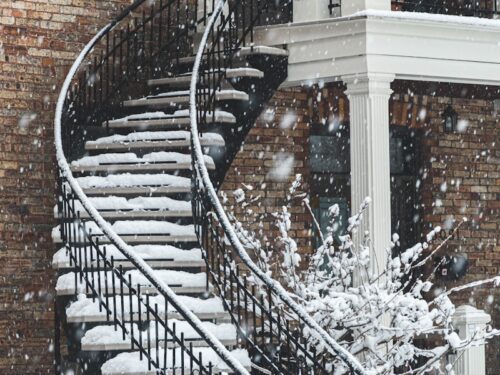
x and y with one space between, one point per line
272 326
334 6
471 8
145 41
124 302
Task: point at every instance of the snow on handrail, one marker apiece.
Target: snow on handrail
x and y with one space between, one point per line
315 329
108 231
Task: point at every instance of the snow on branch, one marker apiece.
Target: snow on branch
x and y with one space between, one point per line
381 318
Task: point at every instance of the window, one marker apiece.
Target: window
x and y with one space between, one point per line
405 201
321 213
329 161
329 154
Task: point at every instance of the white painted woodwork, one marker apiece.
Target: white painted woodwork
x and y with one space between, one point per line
414 46
352 6
370 160
467 319
310 10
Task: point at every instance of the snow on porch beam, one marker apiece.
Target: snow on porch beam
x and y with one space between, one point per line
370 159
352 6
310 10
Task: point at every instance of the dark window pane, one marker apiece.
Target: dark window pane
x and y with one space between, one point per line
397 155
322 215
329 154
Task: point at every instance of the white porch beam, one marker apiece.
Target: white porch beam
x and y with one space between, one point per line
370 159
410 45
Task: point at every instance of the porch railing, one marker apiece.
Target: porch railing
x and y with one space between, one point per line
470 8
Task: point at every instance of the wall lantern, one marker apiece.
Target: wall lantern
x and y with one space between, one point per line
450 118
451 267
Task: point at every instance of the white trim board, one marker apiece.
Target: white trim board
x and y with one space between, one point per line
414 46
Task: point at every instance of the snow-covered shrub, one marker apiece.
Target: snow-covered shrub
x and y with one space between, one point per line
381 318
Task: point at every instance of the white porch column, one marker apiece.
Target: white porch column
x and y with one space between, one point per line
311 10
370 159
468 319
352 6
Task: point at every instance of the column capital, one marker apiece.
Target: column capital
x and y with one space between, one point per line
369 83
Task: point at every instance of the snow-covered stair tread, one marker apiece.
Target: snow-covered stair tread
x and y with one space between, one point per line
185 79
134 184
133 180
123 162
245 51
160 256
105 337
160 120
175 98
179 281
131 364
85 310
113 207
158 140
261 50
138 231
223 94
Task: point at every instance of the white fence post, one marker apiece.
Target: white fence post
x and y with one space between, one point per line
468 320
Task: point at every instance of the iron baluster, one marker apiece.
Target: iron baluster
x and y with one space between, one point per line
122 304
131 304
148 334
106 283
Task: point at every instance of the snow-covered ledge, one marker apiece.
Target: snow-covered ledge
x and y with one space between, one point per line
370 158
350 7
315 10
310 10
467 319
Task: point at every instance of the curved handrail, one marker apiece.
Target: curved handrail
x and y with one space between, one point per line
67 176
208 188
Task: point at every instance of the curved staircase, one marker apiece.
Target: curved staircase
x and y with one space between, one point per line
151 280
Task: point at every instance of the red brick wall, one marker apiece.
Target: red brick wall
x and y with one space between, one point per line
276 137
463 181
468 162
38 41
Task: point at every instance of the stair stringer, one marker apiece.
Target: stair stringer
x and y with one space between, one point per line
260 91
